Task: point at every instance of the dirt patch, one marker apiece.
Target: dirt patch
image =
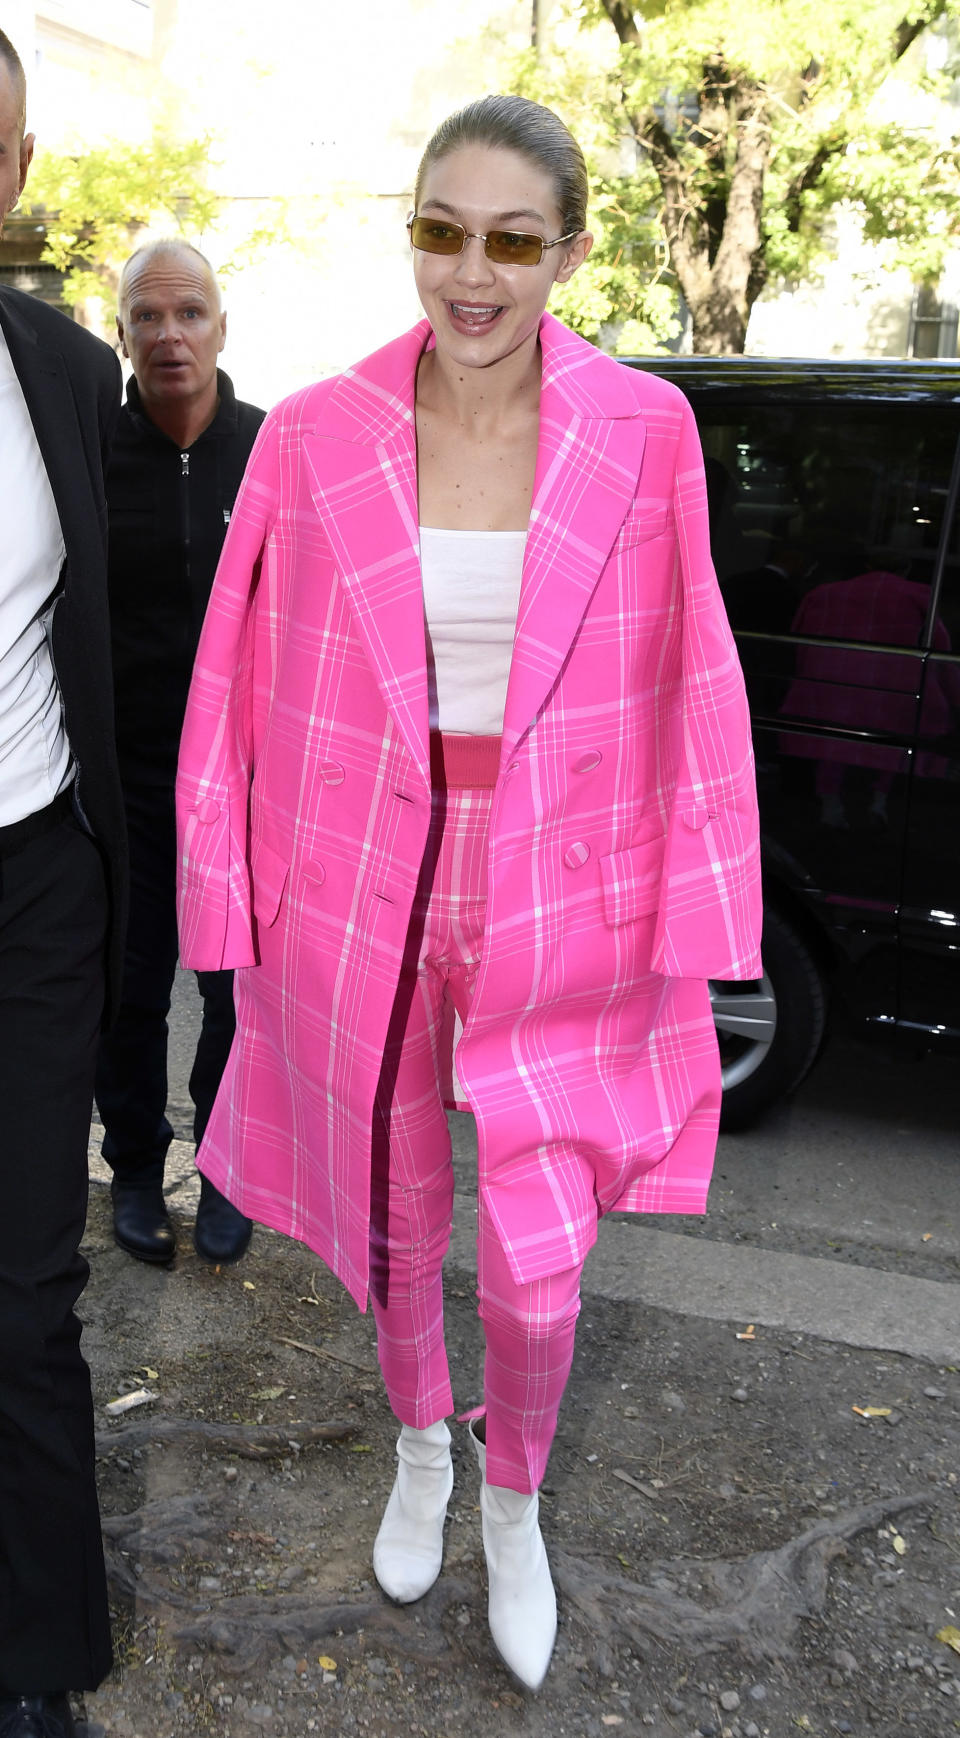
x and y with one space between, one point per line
737 1551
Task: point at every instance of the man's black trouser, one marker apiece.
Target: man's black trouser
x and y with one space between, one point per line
132 1067
54 1626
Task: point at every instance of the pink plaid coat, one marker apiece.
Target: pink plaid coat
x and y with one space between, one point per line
623 858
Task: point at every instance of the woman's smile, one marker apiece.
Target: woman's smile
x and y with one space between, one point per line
474 318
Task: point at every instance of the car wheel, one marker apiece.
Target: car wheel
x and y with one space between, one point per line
769 1031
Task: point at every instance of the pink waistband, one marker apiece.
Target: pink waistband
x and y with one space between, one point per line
464 762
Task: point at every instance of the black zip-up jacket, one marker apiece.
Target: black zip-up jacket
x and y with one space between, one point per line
168 514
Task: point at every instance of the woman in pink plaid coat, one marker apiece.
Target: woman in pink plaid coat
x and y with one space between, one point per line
467 737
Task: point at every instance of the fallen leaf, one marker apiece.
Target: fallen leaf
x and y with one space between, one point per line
327 1663
248 1285
873 1411
899 1545
623 1561
151 1375
268 1393
951 1636
360 1448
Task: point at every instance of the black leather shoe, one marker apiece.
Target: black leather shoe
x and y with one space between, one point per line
141 1224
222 1232
36 1717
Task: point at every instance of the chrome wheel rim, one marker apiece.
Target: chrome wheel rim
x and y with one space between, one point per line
745 1016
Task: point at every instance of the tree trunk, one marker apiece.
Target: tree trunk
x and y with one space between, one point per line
717 256
721 315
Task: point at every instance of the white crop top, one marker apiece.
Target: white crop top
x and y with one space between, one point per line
471 590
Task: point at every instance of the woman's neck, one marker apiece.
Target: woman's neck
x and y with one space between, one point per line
479 399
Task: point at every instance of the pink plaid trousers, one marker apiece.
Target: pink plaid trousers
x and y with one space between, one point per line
528 1329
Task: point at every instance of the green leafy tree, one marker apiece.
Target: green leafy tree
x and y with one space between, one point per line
95 203
724 136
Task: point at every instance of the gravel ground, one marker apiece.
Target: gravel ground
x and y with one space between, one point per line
737 1550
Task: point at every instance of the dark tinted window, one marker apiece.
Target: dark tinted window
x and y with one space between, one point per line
948 612
826 519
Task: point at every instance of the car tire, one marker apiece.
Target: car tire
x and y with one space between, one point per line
769 1031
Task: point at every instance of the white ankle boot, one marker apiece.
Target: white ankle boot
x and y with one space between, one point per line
408 1550
521 1603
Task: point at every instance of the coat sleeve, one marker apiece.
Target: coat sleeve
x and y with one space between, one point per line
709 916
216 748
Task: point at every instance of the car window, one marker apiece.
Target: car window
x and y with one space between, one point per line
946 636
826 519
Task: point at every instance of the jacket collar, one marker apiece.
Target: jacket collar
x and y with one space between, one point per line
224 423
374 400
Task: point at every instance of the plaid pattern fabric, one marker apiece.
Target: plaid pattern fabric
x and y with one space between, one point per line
529 1329
623 863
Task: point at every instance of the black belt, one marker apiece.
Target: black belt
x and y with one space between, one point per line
20 833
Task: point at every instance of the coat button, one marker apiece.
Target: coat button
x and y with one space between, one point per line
315 872
587 762
576 855
695 819
207 809
332 772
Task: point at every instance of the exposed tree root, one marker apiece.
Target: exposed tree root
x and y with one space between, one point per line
247 1630
168 1532
753 1603
250 1441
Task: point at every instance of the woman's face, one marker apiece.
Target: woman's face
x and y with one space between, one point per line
480 311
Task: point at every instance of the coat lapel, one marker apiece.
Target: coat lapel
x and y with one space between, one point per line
53 412
588 461
362 465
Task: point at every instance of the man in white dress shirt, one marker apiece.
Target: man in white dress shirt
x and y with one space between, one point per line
61 897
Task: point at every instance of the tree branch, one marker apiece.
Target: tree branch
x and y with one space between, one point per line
809 175
620 14
689 252
909 29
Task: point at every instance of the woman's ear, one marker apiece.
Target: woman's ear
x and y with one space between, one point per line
574 255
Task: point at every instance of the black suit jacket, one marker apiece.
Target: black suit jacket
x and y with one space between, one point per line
71 382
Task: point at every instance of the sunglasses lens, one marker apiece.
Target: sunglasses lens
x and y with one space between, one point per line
509 247
432 235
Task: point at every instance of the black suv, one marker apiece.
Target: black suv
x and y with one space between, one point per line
833 509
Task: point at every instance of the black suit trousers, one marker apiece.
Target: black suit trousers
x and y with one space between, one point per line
131 1082
54 1625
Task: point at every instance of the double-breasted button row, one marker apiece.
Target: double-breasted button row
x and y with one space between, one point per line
577 854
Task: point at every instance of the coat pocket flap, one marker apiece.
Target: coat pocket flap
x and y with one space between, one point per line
643 522
631 881
269 873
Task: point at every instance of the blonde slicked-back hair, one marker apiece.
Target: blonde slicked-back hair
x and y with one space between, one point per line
534 132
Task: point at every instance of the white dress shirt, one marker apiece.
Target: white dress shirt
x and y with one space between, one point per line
35 758
471 591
